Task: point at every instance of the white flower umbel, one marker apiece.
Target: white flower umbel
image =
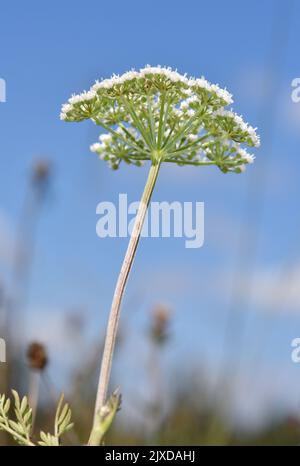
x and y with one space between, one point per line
234 126
159 115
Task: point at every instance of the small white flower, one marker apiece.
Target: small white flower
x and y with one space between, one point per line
66 108
249 158
105 138
80 98
95 147
222 93
192 137
190 112
184 105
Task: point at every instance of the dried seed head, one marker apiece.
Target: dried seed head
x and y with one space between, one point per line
160 324
37 356
41 171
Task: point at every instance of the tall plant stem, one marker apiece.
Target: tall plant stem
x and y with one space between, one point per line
114 315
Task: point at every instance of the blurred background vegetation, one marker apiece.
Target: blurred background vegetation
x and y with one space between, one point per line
204 350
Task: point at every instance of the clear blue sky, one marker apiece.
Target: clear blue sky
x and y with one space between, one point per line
50 50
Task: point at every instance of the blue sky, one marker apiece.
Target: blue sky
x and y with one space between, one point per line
50 50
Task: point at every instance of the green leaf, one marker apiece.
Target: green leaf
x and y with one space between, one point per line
6 406
24 405
20 428
16 427
17 399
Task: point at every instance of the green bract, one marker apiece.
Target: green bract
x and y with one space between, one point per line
160 115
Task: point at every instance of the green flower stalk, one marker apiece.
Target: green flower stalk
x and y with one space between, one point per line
157 115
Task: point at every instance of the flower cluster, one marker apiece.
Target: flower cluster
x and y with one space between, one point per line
160 115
